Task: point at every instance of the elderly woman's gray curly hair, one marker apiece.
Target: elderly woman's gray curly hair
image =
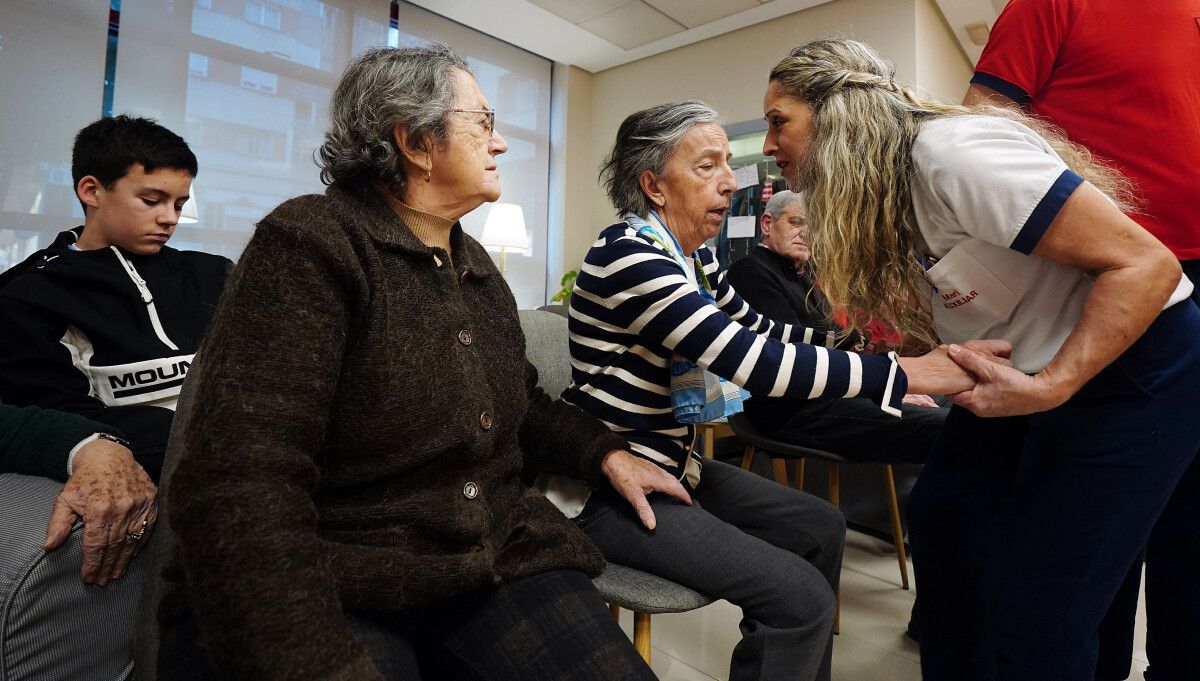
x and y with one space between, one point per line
382 88
644 141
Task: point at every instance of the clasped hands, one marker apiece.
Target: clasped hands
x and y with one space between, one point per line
999 389
977 375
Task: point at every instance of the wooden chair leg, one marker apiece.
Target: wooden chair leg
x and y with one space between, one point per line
837 613
835 496
708 440
616 612
897 529
748 458
800 474
780 471
641 634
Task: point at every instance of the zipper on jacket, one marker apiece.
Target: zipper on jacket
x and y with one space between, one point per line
146 298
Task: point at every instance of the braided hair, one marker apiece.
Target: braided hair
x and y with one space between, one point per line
862 229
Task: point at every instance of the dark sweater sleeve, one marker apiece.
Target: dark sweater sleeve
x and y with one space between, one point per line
37 441
561 438
260 576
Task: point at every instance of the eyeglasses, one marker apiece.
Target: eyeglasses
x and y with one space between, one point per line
489 122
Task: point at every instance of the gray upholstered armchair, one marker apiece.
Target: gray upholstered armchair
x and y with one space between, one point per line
52 625
622 587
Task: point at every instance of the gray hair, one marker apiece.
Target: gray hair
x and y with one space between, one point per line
382 88
644 141
781 201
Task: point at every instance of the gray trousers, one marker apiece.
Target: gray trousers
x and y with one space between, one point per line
772 551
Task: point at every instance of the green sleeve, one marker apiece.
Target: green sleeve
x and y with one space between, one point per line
36 441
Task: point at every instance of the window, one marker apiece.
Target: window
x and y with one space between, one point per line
305 111
257 115
254 102
259 80
197 65
262 14
517 85
51 85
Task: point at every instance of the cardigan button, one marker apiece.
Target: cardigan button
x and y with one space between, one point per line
486 420
470 490
464 337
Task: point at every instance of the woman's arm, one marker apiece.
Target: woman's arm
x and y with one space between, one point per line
628 287
560 438
1134 277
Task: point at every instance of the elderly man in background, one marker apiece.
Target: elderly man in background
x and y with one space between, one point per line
778 280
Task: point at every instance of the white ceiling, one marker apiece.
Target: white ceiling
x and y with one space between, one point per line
962 13
600 34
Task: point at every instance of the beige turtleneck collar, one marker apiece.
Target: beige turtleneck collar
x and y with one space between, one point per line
432 230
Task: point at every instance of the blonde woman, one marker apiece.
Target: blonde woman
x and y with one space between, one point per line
965 223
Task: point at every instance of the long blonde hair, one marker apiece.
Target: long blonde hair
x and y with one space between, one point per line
863 232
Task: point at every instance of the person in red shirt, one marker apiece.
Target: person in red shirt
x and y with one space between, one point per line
1123 79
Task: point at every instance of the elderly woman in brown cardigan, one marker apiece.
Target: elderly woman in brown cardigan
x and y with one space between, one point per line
349 502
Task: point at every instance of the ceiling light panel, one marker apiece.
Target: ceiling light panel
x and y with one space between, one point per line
576 11
693 13
632 25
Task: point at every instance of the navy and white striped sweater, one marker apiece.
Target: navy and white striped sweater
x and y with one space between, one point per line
633 308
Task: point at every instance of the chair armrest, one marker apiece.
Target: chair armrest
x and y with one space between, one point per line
52 625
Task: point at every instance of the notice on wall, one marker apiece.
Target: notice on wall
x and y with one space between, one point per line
747 176
741 226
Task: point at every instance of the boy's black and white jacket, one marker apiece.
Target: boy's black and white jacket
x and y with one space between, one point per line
106 334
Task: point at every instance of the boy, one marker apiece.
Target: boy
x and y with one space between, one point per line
105 321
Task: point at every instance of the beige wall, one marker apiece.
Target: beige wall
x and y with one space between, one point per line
943 69
572 175
730 71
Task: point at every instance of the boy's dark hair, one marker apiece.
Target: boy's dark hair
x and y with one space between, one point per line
107 149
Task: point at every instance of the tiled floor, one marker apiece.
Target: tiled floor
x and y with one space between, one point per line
695 646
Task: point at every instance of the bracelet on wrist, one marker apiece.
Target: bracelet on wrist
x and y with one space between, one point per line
114 438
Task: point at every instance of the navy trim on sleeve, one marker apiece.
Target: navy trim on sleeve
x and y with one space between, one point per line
1002 86
1045 212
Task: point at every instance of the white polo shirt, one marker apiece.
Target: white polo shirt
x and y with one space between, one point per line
984 192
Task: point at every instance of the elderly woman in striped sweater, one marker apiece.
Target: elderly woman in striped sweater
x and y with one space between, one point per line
648 290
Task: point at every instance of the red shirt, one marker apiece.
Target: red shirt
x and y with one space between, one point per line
1123 79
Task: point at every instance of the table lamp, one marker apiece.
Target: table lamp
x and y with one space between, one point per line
504 231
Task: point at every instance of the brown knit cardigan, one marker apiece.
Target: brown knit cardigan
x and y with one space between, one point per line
361 419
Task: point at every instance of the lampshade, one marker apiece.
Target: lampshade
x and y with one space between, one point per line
504 229
190 214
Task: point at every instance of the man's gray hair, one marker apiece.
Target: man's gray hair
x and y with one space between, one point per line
644 141
781 201
384 87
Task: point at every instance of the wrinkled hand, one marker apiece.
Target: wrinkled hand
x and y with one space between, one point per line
112 494
919 400
934 373
1001 390
993 350
634 478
